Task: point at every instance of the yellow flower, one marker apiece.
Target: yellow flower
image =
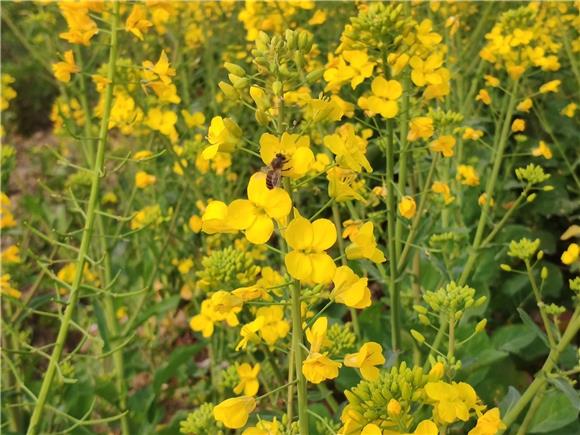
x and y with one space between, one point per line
349 148
100 82
136 22
248 379
274 326
488 424
353 66
316 335
249 332
146 216
407 207
364 245
444 145
193 120
183 266
491 81
451 402
342 185
571 254
63 70
420 127
195 223
482 200
11 255
308 260
265 427
525 105
426 71
384 98
234 412
426 36
467 175
483 96
437 371
542 150
393 407
518 125
350 289
443 189
6 287
162 121
369 355
254 215
472 134
81 28
551 86
318 367
161 70
223 136
569 110
143 179
215 219
295 148
319 17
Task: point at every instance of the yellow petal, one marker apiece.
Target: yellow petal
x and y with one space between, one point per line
261 230
324 234
299 233
299 265
241 214
323 268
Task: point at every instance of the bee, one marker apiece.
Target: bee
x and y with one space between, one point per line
274 171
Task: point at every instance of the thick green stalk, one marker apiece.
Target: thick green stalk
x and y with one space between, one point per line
523 429
499 153
97 173
391 222
403 159
541 378
298 359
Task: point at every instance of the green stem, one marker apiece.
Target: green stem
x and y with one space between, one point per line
505 218
541 307
523 429
97 173
298 359
451 346
438 339
499 152
541 378
403 159
391 220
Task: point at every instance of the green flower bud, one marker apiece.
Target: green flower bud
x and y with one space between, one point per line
234 69
481 325
505 267
531 197
418 336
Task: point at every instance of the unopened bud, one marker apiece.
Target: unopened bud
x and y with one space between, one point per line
540 255
418 336
531 197
234 69
544 273
437 371
393 408
548 188
480 325
505 267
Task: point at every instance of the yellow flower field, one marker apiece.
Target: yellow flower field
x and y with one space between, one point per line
290 217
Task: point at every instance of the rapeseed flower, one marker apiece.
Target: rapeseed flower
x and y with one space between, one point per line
223 136
317 367
444 145
248 384
383 100
364 245
451 402
420 127
542 150
467 175
350 289
234 412
143 179
571 255
488 424
369 355
137 22
63 70
407 207
295 148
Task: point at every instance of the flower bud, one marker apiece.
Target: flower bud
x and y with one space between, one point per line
540 255
480 325
234 69
437 371
418 336
544 273
505 267
277 87
228 90
393 408
420 309
531 197
238 82
548 188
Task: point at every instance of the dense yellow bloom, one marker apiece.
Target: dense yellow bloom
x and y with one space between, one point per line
6 287
137 22
420 128
350 289
274 326
162 70
451 402
472 134
551 86
369 355
11 255
518 125
124 113
234 412
308 260
6 217
488 424
353 66
295 149
444 145
215 219
162 121
349 148
7 93
525 105
63 70
571 255
542 150
569 110
407 207
426 72
425 34
318 367
442 188
255 215
383 100
364 245
81 28
248 384
143 179
467 175
223 136
483 96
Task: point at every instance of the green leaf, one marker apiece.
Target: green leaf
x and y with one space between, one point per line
513 338
509 400
554 412
564 385
530 324
178 357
